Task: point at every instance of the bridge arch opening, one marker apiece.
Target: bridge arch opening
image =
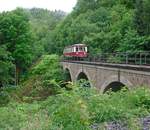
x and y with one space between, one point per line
114 86
67 76
83 80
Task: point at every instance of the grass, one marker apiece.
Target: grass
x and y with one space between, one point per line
77 109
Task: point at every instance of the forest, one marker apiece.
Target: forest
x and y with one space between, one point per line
33 89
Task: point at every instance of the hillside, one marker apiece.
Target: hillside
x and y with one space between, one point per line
106 26
43 22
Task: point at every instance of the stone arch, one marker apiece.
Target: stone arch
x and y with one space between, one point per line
68 72
83 75
68 75
115 84
83 72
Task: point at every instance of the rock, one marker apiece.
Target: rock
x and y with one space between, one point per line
120 125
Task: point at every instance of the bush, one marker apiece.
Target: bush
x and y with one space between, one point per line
68 111
48 68
4 98
77 109
81 107
43 80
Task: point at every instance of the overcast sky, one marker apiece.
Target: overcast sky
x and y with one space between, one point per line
65 5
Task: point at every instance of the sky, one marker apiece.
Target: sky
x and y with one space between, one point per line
64 5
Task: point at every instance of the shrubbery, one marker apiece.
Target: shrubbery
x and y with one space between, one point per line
4 99
77 109
43 80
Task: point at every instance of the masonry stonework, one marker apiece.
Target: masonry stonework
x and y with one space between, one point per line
100 76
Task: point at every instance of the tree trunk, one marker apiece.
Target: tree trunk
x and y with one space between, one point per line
17 72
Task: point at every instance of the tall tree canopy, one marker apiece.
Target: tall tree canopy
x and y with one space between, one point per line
16 36
25 34
42 23
6 67
106 26
142 17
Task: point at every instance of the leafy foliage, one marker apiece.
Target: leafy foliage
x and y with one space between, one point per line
24 37
43 22
6 67
42 81
16 41
142 17
77 109
106 26
15 34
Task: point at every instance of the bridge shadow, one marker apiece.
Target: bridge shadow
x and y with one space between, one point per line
83 80
67 76
114 86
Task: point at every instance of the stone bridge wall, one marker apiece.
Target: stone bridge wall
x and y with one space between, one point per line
100 76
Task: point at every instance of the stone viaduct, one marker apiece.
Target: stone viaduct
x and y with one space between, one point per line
104 76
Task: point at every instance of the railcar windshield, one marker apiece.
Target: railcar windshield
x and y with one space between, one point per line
76 49
81 48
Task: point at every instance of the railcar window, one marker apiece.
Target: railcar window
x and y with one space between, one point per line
83 48
80 48
76 49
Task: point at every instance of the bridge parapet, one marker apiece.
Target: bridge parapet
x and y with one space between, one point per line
131 58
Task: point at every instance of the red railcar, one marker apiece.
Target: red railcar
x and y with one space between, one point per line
76 50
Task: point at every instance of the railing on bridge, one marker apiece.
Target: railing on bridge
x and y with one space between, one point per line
135 58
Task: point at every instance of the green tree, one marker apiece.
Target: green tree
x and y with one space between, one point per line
6 67
142 17
15 34
43 22
105 26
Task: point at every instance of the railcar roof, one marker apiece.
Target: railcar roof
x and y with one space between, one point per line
76 45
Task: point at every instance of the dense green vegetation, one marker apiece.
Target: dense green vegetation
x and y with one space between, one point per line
15 39
76 110
106 26
33 89
24 37
44 79
43 22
